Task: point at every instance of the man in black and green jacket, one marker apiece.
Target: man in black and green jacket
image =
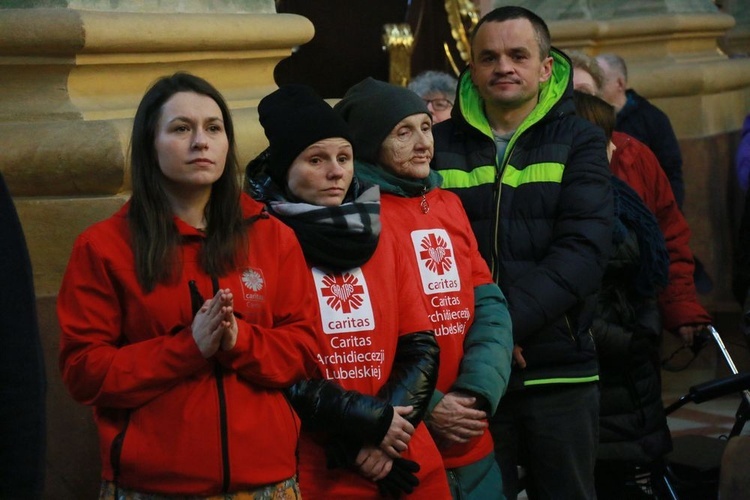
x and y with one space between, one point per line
535 183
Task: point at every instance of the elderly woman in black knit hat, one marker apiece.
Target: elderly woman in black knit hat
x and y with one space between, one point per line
392 133
363 434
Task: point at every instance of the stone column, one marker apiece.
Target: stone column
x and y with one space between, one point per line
605 9
72 75
736 42
72 78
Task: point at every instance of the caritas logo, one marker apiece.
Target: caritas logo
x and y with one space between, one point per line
253 283
342 291
435 259
435 254
344 301
253 280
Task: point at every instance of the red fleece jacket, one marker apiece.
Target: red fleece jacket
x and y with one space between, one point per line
170 421
636 164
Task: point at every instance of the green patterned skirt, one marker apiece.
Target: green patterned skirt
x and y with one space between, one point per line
285 490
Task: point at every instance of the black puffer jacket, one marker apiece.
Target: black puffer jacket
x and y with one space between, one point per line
627 331
543 220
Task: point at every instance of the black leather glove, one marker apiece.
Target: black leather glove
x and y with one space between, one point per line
401 479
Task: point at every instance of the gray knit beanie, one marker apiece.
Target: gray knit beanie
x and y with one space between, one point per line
294 117
372 108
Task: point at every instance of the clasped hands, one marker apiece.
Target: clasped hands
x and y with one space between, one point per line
375 462
456 419
214 326
383 464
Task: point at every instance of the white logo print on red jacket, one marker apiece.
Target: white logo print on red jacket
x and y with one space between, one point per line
253 284
433 249
252 279
343 291
435 254
344 301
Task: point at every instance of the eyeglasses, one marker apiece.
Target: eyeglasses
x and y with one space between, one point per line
439 104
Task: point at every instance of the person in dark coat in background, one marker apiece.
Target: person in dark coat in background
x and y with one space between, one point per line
22 377
742 158
634 162
637 117
627 330
741 272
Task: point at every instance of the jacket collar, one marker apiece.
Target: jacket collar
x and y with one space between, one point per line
393 184
470 108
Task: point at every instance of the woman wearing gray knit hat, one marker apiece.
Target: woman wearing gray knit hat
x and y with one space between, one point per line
392 132
363 434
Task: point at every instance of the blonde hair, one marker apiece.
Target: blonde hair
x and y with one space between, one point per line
588 64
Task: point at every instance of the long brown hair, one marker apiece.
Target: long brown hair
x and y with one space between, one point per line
595 110
155 238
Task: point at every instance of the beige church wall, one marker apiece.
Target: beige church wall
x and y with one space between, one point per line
71 82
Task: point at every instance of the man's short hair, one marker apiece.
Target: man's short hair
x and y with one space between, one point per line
615 62
510 12
587 64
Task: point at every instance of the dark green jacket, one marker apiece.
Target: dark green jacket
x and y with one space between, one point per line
542 215
485 367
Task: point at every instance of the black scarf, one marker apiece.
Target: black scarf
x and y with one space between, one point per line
338 238
630 212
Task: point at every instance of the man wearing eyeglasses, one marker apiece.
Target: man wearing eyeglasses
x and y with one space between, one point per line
437 90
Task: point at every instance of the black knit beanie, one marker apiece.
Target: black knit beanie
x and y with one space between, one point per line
372 108
294 117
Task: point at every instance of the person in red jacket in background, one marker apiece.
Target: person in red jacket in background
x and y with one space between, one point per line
633 162
187 392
